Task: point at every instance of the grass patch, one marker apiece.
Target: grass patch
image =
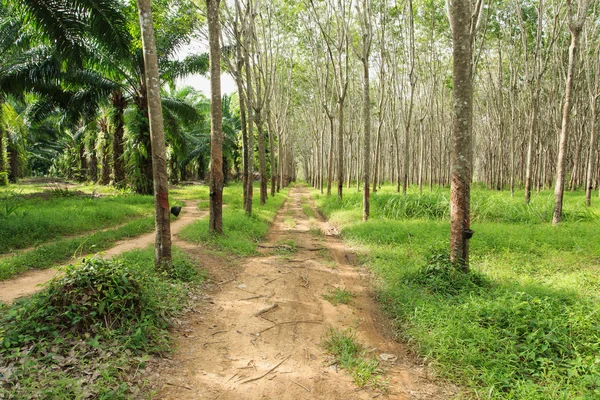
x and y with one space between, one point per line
88 331
308 211
525 324
351 356
241 233
338 296
285 247
51 254
26 222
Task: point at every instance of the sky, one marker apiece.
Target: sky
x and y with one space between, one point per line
200 82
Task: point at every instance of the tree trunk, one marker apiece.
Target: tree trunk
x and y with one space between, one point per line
559 187
216 120
157 137
119 104
460 185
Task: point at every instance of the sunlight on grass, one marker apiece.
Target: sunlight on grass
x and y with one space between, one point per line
525 324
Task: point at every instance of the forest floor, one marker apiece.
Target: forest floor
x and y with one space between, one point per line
258 331
32 281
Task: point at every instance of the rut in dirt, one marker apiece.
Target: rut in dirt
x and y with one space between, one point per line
257 333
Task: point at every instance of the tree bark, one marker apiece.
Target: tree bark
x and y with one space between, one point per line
559 186
157 137
460 185
119 104
216 120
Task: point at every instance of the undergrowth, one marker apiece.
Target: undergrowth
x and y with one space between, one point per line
352 356
524 324
241 233
83 334
48 255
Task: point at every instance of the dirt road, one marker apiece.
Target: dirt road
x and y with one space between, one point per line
257 333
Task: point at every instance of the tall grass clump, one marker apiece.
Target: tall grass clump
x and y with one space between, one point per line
80 336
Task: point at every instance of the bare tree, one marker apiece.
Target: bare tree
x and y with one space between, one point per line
162 253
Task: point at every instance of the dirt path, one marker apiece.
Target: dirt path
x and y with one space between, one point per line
257 332
32 281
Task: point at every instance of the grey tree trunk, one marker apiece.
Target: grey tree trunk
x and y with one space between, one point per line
157 137
575 27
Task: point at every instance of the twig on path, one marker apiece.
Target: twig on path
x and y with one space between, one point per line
302 386
217 332
207 343
181 386
224 282
270 281
231 377
268 372
253 297
292 322
266 310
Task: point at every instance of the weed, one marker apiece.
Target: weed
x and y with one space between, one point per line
350 355
308 211
338 296
285 247
289 222
75 338
315 231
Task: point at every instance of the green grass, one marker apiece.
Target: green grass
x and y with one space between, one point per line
338 296
51 254
241 234
352 356
87 332
524 325
25 222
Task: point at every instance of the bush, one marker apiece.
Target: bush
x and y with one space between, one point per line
440 276
3 178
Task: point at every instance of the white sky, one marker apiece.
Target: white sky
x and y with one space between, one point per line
199 82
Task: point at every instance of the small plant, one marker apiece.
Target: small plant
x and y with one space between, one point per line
3 178
289 222
10 202
316 231
58 191
308 211
285 247
440 276
338 296
350 355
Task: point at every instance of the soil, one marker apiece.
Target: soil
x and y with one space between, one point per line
32 281
256 332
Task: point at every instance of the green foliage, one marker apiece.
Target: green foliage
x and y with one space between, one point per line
441 277
48 255
241 233
350 355
338 296
3 178
42 218
524 324
78 336
486 206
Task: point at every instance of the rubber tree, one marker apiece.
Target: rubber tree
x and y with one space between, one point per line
216 116
464 19
157 138
576 22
